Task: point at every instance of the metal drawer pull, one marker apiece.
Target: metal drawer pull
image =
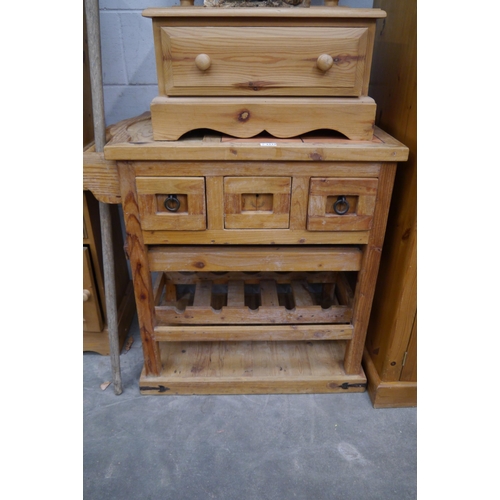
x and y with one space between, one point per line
341 206
203 62
172 203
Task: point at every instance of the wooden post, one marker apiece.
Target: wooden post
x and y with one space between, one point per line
363 295
92 13
138 256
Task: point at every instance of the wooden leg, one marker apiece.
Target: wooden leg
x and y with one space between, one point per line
141 276
367 276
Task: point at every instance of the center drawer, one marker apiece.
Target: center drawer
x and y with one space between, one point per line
230 61
257 202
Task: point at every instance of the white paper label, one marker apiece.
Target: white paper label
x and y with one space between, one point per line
268 144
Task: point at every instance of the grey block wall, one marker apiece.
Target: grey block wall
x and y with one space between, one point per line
127 48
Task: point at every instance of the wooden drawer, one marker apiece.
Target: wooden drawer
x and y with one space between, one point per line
92 316
341 204
257 202
257 60
172 203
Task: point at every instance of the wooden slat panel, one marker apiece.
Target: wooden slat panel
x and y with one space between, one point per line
236 293
301 294
355 186
180 315
158 288
256 220
170 185
227 277
298 205
176 333
215 203
203 258
257 185
269 293
255 237
203 294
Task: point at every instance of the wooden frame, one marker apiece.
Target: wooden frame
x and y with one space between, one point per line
314 356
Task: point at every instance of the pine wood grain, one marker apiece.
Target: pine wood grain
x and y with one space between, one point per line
264 61
252 258
246 117
141 276
367 277
245 333
252 368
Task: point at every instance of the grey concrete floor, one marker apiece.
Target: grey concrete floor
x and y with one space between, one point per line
261 447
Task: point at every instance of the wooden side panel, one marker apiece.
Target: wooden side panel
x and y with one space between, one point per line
394 87
369 270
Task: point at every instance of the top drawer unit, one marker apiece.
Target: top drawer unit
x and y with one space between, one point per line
261 60
318 51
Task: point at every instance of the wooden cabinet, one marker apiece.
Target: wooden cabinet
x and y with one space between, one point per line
390 359
250 308
254 259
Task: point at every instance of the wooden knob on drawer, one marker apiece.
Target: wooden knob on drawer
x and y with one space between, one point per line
86 295
324 62
203 62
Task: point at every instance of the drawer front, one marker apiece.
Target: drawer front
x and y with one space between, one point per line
341 204
92 316
228 61
172 203
257 202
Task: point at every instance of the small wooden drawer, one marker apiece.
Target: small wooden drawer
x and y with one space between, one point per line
345 204
257 60
257 202
92 315
172 203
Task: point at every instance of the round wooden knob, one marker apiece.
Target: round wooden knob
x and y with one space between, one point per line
203 62
86 295
324 62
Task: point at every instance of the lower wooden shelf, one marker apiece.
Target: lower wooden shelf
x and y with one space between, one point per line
252 368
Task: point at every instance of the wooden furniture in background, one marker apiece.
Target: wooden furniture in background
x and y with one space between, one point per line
390 358
95 331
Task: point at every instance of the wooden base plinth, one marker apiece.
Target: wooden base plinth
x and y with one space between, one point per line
395 394
252 368
281 117
99 341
